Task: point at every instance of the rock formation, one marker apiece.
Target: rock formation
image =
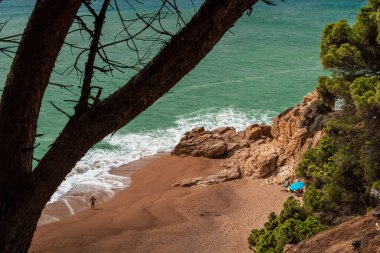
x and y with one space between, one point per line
260 151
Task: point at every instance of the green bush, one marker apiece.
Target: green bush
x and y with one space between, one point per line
293 224
365 91
338 182
334 86
292 209
311 226
352 53
316 164
312 199
376 185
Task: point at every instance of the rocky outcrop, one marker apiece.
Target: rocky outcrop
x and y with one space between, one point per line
219 143
260 151
204 143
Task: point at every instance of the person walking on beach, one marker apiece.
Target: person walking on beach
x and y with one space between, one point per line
92 201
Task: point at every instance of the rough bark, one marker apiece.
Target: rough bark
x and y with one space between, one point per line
19 216
19 109
22 207
27 81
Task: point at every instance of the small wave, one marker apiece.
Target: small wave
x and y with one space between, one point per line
244 80
119 149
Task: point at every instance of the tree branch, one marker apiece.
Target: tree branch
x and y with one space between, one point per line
89 69
60 110
179 56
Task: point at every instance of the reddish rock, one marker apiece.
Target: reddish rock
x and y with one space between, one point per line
199 142
262 161
260 151
256 132
220 177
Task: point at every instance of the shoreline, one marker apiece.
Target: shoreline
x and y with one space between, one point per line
76 201
153 216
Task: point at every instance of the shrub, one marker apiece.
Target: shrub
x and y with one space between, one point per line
376 185
365 91
293 224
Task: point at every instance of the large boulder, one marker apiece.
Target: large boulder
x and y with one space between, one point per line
218 143
262 161
255 132
199 142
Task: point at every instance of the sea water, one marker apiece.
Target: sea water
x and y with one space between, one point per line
266 63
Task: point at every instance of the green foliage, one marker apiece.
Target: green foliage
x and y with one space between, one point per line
335 34
272 222
374 4
376 185
316 164
293 224
331 87
255 236
267 243
345 58
288 232
341 169
335 85
352 53
313 199
292 209
365 91
366 26
311 226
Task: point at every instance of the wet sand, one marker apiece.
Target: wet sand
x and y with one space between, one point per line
77 199
152 216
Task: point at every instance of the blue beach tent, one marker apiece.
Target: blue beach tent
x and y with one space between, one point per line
296 186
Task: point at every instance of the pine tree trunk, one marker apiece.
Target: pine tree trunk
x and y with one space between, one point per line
19 216
20 204
27 81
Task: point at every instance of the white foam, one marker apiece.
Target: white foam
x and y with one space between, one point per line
93 169
69 207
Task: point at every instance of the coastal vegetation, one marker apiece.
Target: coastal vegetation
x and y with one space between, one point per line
294 224
343 168
342 172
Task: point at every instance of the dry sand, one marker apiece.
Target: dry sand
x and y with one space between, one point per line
152 216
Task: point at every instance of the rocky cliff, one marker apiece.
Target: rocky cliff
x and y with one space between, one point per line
260 151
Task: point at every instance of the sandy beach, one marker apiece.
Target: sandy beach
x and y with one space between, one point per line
153 216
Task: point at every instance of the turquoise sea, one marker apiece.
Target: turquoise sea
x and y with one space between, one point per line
265 64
